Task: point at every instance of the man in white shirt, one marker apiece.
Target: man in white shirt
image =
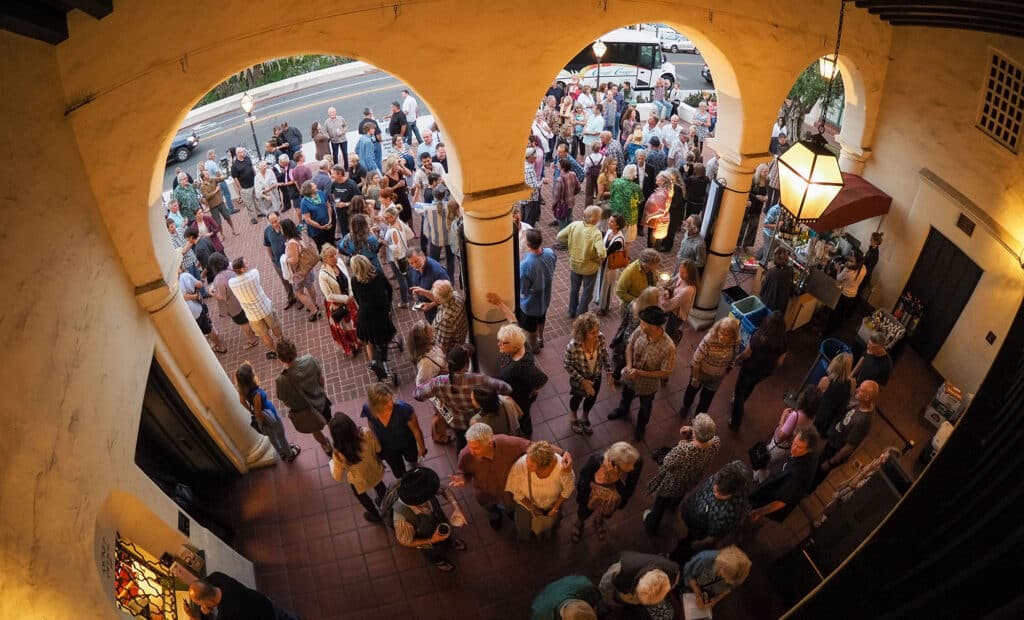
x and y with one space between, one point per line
670 132
539 485
256 304
420 182
595 125
411 110
427 146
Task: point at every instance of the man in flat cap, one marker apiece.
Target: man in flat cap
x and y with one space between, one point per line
650 355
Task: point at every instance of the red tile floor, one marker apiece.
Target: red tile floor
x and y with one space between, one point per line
314 553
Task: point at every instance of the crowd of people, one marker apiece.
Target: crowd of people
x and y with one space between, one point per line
332 225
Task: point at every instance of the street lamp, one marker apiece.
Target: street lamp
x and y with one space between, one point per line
247 104
599 49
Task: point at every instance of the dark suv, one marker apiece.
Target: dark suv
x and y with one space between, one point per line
182 147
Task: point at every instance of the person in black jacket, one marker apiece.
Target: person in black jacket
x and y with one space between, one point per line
605 484
232 600
777 286
696 190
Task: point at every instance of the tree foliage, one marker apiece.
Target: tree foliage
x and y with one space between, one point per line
808 88
268 72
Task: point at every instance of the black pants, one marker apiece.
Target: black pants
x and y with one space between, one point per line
396 461
343 147
437 552
368 503
706 395
577 147
838 316
526 422
588 401
643 416
819 476
658 510
341 217
460 439
675 220
434 252
745 384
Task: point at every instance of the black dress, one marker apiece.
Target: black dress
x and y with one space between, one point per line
374 322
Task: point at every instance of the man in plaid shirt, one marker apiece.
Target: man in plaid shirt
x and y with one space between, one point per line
650 356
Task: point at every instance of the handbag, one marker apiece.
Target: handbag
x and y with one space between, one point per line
439 430
618 259
758 455
604 499
308 258
340 313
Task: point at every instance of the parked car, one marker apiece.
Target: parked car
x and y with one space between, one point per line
675 42
705 72
182 147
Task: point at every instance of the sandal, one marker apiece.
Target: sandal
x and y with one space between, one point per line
577 532
252 344
585 424
577 427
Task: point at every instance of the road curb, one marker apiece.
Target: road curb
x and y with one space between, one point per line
265 93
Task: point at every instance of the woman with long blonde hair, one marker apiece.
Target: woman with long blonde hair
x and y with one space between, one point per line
836 388
713 358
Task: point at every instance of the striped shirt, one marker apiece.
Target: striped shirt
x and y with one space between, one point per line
435 228
250 295
188 259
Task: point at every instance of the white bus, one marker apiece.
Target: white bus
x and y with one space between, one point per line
632 56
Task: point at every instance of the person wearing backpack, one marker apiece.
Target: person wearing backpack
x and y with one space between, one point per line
412 509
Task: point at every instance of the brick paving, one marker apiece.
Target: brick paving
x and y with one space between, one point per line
314 553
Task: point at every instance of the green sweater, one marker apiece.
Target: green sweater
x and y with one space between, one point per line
548 603
586 247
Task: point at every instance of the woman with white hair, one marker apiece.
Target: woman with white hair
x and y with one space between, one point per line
605 484
641 580
265 185
625 197
517 368
712 574
544 132
682 469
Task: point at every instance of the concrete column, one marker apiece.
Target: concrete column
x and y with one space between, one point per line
737 173
852 157
191 365
490 263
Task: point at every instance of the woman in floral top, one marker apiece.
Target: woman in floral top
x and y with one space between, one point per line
682 469
585 361
711 361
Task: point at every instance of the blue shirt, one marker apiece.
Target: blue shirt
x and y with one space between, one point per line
370 251
396 437
318 211
536 272
432 272
576 168
267 405
772 217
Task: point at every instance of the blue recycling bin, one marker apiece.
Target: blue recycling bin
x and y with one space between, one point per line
830 347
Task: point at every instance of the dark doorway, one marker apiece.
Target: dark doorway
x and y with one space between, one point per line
943 279
178 454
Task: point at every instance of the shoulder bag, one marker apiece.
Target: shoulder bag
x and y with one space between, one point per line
327 413
539 523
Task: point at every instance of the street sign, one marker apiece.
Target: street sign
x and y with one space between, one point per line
250 119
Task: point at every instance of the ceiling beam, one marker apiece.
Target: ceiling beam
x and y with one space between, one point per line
958 25
97 8
962 12
1004 5
35 21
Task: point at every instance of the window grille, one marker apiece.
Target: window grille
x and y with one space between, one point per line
143 587
1001 114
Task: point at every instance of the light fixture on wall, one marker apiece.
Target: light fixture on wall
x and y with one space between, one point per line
599 49
248 104
826 67
809 174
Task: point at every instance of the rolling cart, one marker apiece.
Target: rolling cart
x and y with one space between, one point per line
384 370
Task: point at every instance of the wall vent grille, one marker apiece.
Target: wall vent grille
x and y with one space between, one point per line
1001 114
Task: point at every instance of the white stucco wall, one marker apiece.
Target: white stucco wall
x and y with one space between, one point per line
927 118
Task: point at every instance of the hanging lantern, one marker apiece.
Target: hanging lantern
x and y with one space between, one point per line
826 67
809 178
809 174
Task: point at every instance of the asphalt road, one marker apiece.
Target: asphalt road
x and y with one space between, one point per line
349 95
300 108
688 70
